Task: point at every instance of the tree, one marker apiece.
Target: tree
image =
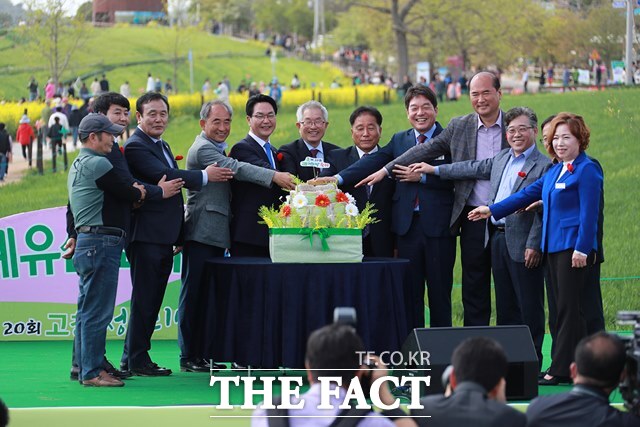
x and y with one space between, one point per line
85 12
57 37
399 13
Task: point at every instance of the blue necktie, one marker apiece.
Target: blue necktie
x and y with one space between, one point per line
267 148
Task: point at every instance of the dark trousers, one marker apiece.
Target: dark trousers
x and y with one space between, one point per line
192 307
519 291
591 301
476 271
248 250
568 285
431 259
150 269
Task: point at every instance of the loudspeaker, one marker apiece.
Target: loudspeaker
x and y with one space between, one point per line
439 343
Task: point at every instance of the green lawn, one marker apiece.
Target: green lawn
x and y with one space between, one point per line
614 120
129 53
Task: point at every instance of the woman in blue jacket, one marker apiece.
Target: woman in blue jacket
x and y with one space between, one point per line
570 192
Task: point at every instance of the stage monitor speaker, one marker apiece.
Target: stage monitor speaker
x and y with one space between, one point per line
439 343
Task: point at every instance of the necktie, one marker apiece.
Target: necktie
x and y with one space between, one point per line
165 152
314 152
369 188
267 148
421 139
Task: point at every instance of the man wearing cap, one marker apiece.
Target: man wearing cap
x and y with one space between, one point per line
100 201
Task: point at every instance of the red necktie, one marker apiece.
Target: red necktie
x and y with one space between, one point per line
314 152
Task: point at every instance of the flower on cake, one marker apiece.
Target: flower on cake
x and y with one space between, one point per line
299 201
342 197
351 210
285 210
322 200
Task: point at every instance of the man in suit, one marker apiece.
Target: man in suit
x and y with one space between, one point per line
421 210
478 384
206 225
116 108
366 129
597 371
476 136
313 119
515 240
248 238
157 228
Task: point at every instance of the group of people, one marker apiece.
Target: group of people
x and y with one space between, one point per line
475 392
444 180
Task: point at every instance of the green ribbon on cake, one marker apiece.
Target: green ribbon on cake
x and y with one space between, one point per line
323 233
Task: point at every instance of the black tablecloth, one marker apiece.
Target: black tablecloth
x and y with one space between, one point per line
260 313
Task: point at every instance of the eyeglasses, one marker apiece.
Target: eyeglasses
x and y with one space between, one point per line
261 117
520 129
308 123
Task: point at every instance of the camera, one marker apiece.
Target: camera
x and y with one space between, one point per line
630 386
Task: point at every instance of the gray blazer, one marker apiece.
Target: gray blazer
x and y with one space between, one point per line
208 210
522 230
459 139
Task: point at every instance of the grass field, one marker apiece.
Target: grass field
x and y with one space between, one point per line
129 53
614 120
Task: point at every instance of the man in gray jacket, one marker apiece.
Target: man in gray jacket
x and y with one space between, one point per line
515 240
206 232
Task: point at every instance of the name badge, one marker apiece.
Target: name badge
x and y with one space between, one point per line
560 185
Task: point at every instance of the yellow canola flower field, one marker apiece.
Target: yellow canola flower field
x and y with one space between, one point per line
190 104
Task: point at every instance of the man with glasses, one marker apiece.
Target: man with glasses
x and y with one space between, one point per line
313 120
248 237
516 257
476 136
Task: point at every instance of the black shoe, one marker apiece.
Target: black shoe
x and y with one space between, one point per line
218 366
119 374
75 373
541 374
238 367
151 370
196 365
555 380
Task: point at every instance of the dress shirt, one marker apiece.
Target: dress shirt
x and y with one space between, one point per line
428 135
488 144
510 177
267 149
320 154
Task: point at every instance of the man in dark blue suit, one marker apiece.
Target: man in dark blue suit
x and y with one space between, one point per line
366 129
156 232
313 120
421 211
248 238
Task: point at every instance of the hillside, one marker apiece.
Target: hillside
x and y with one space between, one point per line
129 53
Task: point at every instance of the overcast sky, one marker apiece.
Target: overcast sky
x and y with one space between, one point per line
70 5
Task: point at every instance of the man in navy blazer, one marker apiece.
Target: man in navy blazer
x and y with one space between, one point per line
156 228
248 238
476 136
421 210
378 239
313 119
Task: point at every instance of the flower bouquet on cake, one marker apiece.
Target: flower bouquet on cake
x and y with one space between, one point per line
317 223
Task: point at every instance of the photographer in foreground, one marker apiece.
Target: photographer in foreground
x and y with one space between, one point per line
334 351
478 383
597 371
